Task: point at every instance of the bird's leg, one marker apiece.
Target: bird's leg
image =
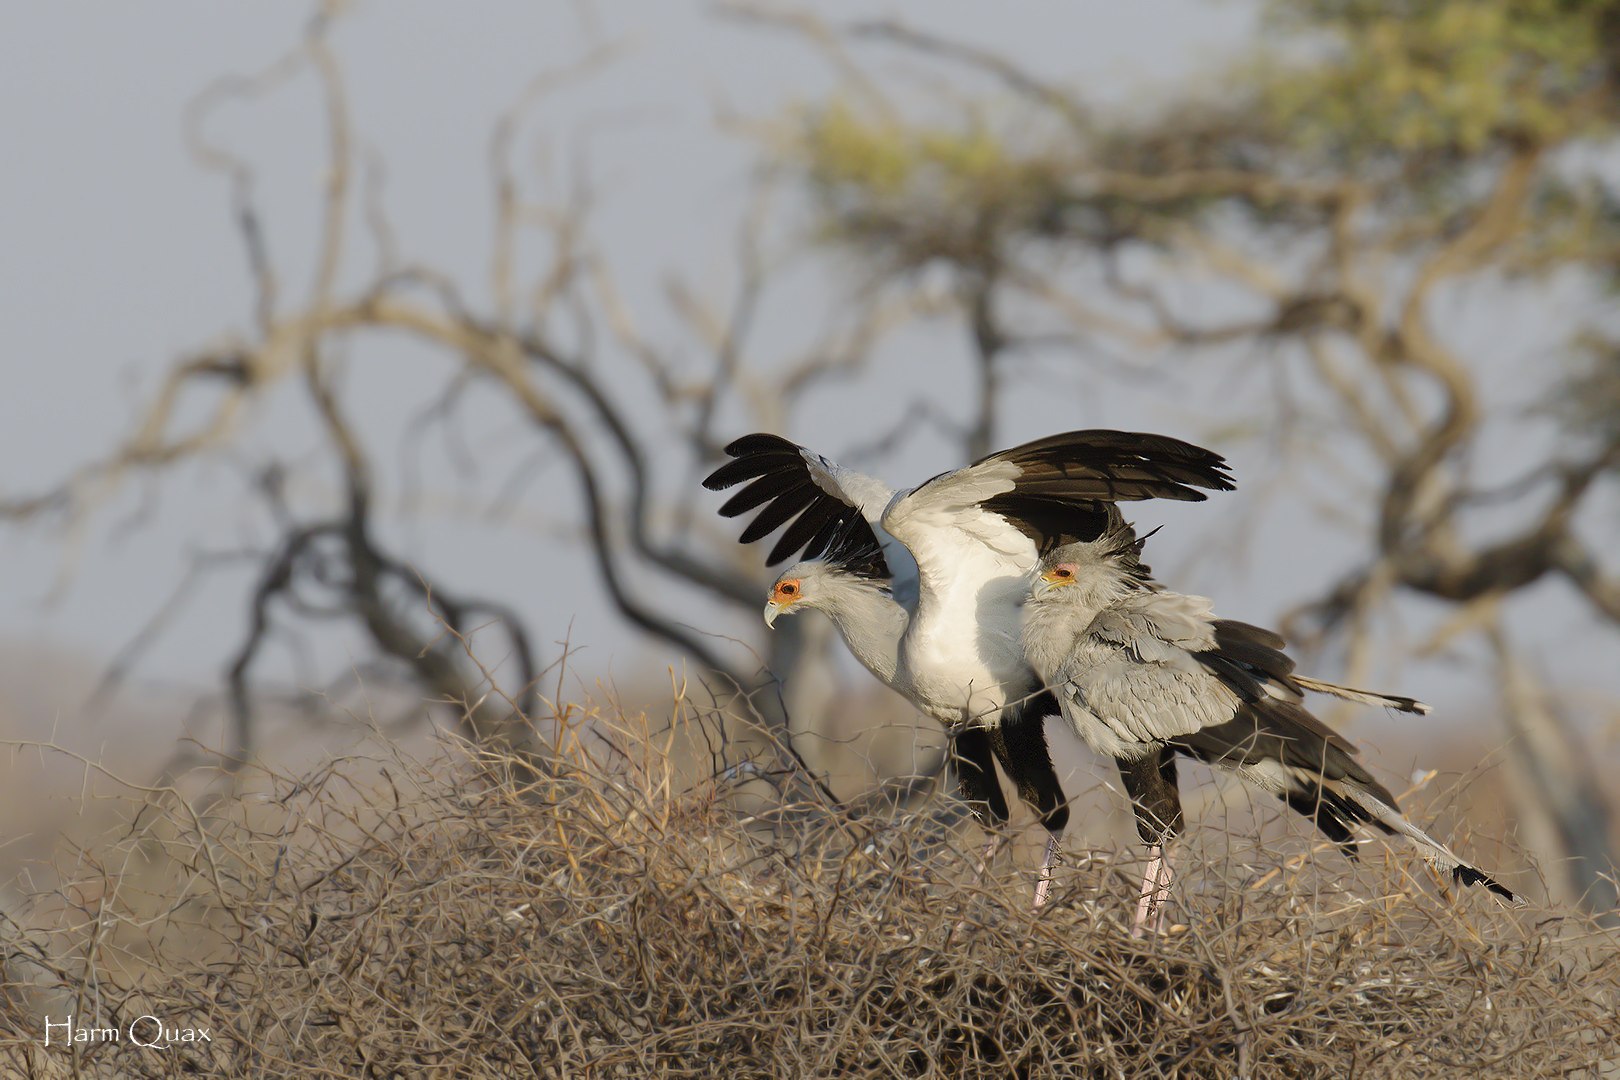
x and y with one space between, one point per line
1155 891
1151 783
1054 856
1019 744
1167 874
976 773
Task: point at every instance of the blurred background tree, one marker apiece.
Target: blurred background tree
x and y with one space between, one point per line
1377 252
1374 176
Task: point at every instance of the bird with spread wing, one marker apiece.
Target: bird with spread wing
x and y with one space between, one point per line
948 564
871 621
1143 675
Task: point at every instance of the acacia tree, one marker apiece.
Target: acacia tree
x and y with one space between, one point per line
1383 178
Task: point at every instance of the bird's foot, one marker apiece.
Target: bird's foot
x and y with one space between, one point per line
1053 860
1150 904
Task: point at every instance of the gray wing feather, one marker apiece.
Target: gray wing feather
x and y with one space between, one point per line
1130 673
1185 621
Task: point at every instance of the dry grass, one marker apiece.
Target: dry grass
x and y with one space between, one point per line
387 917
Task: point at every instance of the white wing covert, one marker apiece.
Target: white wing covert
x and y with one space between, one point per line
1019 502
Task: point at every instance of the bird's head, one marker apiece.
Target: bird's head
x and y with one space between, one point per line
1056 572
1083 563
795 589
821 585
1091 571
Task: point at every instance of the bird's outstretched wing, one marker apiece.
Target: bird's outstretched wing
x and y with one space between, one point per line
834 511
1031 498
994 516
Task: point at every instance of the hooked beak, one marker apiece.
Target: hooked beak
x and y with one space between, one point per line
772 610
1044 585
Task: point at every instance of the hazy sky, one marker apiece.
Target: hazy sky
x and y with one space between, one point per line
120 255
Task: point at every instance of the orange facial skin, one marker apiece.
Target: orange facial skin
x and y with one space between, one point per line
1061 574
783 596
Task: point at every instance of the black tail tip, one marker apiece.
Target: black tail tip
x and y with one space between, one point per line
1468 875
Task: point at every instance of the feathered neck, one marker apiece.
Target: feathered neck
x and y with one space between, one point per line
870 620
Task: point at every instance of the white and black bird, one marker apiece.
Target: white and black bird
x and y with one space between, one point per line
1143 674
961 547
871 621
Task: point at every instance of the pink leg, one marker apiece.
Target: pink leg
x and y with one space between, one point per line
1053 857
1155 891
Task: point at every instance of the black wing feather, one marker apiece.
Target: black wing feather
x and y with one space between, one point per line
777 478
1282 731
1245 657
1233 631
1241 680
735 472
758 493
776 513
1068 483
814 522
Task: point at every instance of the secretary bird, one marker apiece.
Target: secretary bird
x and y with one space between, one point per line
1143 674
962 545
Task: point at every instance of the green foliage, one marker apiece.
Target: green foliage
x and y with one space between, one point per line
1414 101
921 191
841 146
1452 75
841 149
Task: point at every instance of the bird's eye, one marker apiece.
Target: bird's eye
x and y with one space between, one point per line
788 588
1063 572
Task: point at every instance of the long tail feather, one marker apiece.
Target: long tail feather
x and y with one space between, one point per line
1365 697
1439 856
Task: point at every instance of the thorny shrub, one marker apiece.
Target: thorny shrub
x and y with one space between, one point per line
460 915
